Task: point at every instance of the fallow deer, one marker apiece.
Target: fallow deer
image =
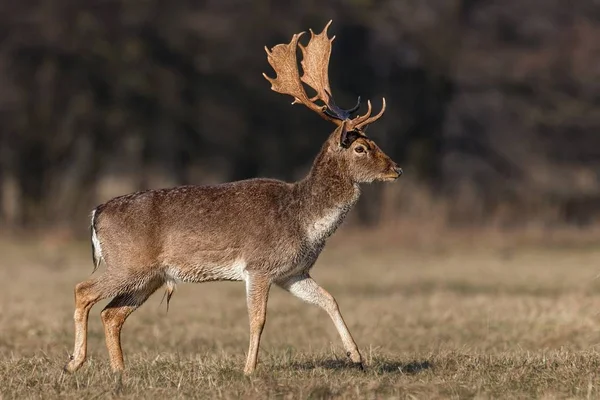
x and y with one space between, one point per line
260 231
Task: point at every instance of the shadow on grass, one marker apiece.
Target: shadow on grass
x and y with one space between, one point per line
377 366
389 367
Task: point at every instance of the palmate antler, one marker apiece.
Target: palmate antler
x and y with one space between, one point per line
315 66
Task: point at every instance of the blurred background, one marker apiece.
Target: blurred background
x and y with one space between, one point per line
475 275
493 105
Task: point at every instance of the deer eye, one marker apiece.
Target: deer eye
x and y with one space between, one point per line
359 149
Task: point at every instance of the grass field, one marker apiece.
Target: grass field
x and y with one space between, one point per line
456 321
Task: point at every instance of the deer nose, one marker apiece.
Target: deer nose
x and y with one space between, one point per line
397 169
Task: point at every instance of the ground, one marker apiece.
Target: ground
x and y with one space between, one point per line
451 321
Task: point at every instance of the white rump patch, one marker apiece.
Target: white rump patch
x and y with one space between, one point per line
95 241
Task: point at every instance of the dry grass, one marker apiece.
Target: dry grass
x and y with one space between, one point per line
448 321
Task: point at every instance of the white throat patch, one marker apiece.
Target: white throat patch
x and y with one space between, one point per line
324 226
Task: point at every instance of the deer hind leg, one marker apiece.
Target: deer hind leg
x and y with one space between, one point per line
305 288
257 294
87 294
114 316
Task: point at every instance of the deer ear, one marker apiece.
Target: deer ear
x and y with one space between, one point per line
347 137
344 135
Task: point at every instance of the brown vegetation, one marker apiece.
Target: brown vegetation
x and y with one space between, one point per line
494 319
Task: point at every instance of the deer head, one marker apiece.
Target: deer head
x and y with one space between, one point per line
361 156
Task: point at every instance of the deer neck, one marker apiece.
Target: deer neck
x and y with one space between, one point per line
327 195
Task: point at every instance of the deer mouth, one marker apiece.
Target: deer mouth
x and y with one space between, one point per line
391 177
395 174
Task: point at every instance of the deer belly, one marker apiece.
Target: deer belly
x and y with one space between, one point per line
206 272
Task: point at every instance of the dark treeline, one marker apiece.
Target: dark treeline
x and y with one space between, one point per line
491 103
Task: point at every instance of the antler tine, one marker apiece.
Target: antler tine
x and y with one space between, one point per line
359 119
365 120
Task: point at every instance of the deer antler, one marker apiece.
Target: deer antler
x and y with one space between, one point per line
362 121
283 60
315 65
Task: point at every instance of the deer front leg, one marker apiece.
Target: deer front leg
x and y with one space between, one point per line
257 294
305 288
